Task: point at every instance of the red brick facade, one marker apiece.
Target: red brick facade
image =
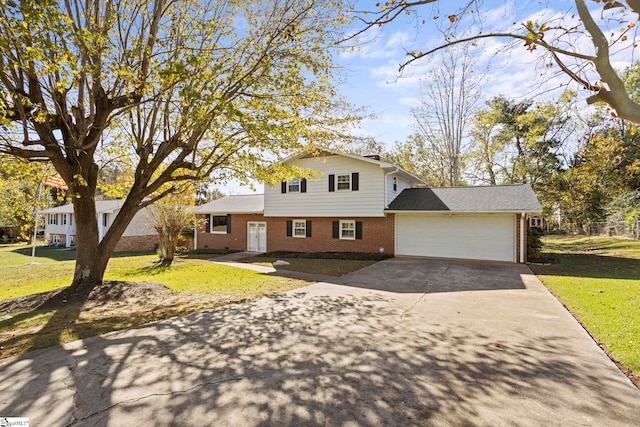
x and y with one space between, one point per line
377 232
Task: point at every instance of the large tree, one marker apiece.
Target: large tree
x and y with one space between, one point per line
571 40
184 89
450 94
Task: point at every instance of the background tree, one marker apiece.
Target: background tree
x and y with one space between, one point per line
169 219
21 193
187 89
450 95
571 41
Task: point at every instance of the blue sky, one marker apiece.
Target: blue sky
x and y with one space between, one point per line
373 80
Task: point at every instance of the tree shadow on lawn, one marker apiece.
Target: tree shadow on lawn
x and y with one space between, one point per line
297 359
591 265
69 254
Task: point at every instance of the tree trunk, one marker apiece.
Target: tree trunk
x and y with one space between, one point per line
90 262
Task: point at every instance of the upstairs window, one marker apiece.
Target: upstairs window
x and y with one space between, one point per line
395 184
344 182
294 185
64 219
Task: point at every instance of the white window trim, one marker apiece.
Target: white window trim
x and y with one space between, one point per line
348 175
293 228
55 239
394 183
348 221
211 225
298 184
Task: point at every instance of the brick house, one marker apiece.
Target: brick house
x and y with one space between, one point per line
138 236
361 204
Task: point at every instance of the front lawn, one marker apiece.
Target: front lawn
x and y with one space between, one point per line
598 280
136 291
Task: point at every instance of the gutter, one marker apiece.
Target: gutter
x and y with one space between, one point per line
386 205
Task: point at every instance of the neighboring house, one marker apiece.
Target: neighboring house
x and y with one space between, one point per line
60 226
537 222
361 204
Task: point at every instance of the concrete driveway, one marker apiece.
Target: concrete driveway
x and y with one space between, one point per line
403 342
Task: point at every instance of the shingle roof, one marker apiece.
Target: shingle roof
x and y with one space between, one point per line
502 198
247 203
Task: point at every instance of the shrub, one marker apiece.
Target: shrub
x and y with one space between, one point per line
534 243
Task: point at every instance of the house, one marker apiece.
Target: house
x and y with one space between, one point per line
138 236
361 204
537 222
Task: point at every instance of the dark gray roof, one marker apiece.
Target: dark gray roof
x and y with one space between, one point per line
246 203
501 198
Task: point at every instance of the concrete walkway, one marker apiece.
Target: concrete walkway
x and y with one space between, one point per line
404 342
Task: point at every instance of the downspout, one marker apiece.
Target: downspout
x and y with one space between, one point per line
195 232
522 232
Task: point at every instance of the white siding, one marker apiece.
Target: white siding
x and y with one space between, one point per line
319 201
481 236
391 195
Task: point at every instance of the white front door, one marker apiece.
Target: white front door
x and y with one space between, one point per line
257 236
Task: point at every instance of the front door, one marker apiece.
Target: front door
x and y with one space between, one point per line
257 236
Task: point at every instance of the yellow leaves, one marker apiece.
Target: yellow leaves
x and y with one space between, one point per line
452 18
79 180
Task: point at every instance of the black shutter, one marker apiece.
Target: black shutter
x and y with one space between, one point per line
336 229
303 185
355 181
289 228
283 187
228 223
332 182
207 224
358 229
308 228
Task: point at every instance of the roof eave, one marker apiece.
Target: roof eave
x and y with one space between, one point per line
414 211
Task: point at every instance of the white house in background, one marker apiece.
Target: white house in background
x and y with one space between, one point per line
60 226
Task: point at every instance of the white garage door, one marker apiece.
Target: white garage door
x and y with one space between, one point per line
483 237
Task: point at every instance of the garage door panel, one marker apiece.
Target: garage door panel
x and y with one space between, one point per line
483 237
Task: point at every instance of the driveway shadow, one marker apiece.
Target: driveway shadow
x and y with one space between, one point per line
430 275
299 359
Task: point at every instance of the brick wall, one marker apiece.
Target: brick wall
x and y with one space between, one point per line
236 240
377 232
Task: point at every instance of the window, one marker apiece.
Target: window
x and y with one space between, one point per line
53 219
395 184
56 239
344 182
70 219
294 185
105 219
348 230
219 224
64 219
299 228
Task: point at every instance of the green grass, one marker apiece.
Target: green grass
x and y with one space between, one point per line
598 280
192 284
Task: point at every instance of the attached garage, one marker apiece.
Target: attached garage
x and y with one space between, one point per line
480 223
482 237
